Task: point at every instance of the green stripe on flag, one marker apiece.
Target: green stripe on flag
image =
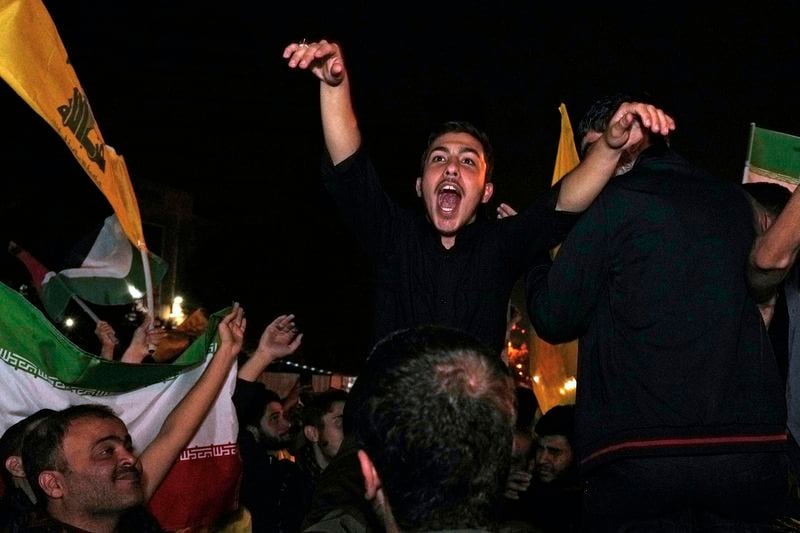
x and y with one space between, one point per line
775 154
29 342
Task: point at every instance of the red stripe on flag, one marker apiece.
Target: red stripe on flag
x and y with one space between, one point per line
201 488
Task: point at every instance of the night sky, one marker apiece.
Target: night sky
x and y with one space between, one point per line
199 98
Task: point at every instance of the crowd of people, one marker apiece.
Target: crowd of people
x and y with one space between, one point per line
671 278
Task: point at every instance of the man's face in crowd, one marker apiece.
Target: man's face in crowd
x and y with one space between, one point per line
102 474
553 457
275 427
331 435
454 182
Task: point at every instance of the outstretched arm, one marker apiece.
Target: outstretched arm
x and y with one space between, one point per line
339 124
774 251
280 338
182 423
581 186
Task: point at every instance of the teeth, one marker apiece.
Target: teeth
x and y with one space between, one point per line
449 188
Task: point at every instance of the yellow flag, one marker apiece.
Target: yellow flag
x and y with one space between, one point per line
555 366
34 63
567 156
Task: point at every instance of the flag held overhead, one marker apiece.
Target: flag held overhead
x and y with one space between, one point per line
34 62
771 156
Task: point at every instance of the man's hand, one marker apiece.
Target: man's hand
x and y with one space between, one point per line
505 210
145 338
108 339
625 127
280 338
322 58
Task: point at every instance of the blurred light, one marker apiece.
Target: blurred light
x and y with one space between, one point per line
519 365
536 379
176 313
561 391
136 293
570 384
69 322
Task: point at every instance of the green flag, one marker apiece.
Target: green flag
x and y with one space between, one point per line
772 155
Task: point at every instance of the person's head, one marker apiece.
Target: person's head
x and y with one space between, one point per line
81 462
455 176
768 200
595 121
11 451
433 415
273 424
322 424
554 455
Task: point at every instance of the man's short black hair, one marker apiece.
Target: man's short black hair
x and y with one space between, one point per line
320 404
771 196
11 441
42 447
435 409
456 126
599 115
559 420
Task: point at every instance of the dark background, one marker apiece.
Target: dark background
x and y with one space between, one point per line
197 97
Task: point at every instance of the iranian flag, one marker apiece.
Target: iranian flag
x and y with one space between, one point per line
41 368
103 268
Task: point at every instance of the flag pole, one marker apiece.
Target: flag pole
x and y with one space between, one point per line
749 152
148 283
86 309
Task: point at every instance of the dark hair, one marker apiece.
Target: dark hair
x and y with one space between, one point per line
527 405
250 413
42 446
435 409
771 196
599 115
454 126
320 404
559 420
11 441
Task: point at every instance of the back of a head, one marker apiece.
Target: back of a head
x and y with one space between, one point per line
11 441
771 196
455 126
42 446
435 410
598 116
527 405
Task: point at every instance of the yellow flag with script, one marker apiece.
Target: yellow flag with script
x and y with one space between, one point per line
35 64
554 365
567 156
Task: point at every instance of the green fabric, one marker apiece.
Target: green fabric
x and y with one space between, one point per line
31 343
775 154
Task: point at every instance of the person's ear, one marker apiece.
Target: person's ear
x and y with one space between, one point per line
311 433
51 483
488 189
14 465
419 187
372 482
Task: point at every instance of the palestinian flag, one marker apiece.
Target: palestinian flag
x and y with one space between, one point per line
40 368
103 268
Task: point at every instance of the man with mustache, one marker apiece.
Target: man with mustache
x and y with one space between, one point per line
82 465
447 266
